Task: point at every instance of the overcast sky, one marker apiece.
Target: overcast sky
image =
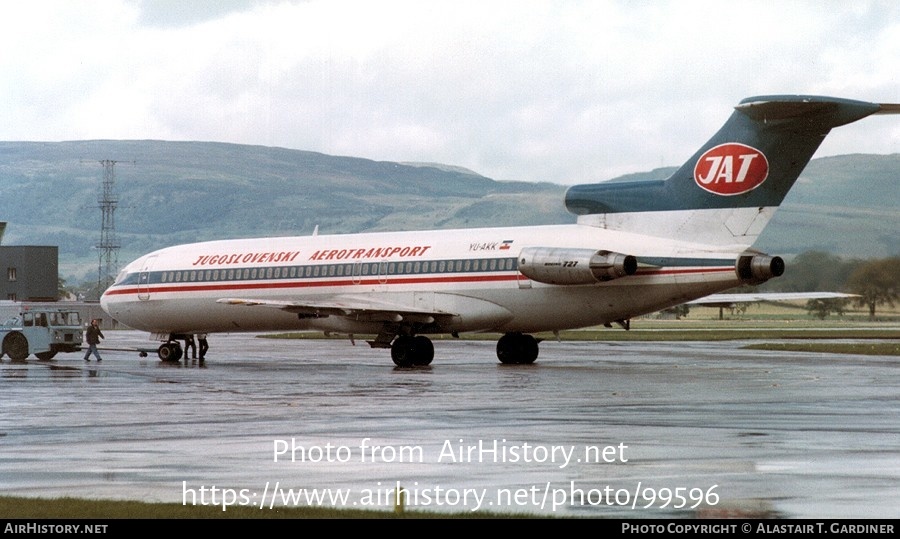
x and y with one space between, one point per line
560 91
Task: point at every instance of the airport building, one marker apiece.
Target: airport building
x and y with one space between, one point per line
28 272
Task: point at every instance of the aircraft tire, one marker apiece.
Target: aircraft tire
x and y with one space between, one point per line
403 351
424 350
517 349
412 351
169 352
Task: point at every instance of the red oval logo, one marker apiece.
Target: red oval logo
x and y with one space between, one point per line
731 169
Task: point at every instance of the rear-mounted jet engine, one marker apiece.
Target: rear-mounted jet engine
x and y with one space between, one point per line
756 269
574 266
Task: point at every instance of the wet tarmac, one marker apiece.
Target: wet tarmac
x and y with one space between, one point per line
633 430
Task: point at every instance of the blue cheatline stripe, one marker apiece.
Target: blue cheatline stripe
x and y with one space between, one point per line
374 272
677 262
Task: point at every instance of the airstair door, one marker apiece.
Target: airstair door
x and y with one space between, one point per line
144 278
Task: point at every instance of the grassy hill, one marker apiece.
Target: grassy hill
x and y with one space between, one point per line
174 192
846 205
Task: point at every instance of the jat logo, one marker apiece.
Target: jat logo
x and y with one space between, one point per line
731 169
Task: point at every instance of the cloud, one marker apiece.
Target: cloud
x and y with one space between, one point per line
566 92
180 14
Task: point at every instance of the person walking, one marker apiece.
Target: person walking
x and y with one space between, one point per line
204 346
93 336
189 344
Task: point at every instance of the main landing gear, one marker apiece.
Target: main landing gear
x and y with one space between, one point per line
417 351
408 351
517 349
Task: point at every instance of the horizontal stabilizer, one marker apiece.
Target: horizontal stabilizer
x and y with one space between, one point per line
730 299
888 108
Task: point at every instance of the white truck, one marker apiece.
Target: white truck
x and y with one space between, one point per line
39 330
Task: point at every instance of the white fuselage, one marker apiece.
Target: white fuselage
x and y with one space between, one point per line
469 274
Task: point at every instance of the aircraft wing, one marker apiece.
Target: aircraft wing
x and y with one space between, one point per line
350 307
730 299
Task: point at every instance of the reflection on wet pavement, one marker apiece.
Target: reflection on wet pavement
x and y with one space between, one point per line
592 429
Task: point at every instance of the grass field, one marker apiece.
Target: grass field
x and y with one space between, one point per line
15 507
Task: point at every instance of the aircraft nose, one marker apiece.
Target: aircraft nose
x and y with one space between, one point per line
105 303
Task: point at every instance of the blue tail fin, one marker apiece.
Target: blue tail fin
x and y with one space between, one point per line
726 192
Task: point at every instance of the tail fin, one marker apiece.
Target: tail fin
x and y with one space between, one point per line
728 191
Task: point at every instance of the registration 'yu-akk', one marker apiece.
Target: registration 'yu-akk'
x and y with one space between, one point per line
637 247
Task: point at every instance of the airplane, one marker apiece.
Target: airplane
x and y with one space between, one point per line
637 247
